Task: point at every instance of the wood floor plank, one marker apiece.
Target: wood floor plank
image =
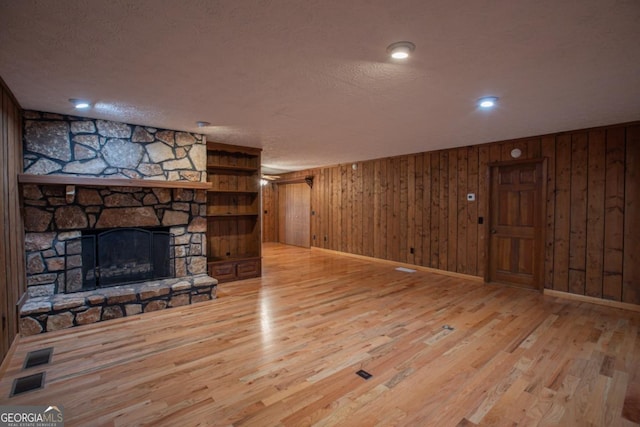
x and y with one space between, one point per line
284 349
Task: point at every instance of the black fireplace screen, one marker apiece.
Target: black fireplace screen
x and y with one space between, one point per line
118 256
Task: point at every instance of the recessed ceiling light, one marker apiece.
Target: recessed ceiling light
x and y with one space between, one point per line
202 124
80 104
401 50
488 102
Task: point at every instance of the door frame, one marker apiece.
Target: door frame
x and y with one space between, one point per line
540 232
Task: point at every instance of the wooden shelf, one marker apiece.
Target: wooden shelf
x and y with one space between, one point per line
228 168
25 178
232 215
211 190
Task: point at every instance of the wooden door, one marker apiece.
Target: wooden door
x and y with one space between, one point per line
294 214
516 224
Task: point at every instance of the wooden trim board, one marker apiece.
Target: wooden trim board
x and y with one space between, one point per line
402 264
592 300
25 178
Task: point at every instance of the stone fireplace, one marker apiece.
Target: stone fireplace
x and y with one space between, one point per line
53 227
72 212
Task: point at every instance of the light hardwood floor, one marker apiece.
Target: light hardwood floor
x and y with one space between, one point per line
284 350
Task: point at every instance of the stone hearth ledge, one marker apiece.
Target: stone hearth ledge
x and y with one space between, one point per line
61 311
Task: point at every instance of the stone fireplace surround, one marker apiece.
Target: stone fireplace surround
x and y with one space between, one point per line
67 146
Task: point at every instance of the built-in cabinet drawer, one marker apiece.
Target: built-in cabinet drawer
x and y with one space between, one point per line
228 271
247 269
223 272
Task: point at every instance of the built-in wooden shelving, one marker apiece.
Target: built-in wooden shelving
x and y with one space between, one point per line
233 212
25 178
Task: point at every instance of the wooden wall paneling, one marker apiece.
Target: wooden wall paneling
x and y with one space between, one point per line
505 151
443 220
495 155
323 207
17 229
351 202
404 228
327 208
352 197
5 262
317 217
482 203
595 213
345 208
421 210
534 148
16 242
317 205
472 211
614 214
412 238
562 214
393 217
336 210
12 253
313 212
282 212
378 208
631 267
548 151
578 207
426 209
419 201
508 146
16 249
461 211
358 219
435 211
386 200
368 188
452 238
268 214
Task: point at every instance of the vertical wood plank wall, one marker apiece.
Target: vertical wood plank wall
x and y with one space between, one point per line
269 212
386 207
12 269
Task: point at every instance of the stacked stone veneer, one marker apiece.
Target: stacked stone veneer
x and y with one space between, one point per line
44 314
55 214
68 145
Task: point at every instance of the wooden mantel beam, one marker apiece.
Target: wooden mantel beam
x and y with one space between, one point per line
25 178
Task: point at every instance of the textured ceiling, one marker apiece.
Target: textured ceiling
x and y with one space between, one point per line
310 81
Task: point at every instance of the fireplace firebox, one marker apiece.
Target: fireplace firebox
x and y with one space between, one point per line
104 258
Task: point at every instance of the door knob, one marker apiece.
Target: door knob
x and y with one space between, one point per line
494 231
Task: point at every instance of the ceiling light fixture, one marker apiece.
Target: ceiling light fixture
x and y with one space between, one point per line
401 50
202 124
487 102
80 104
